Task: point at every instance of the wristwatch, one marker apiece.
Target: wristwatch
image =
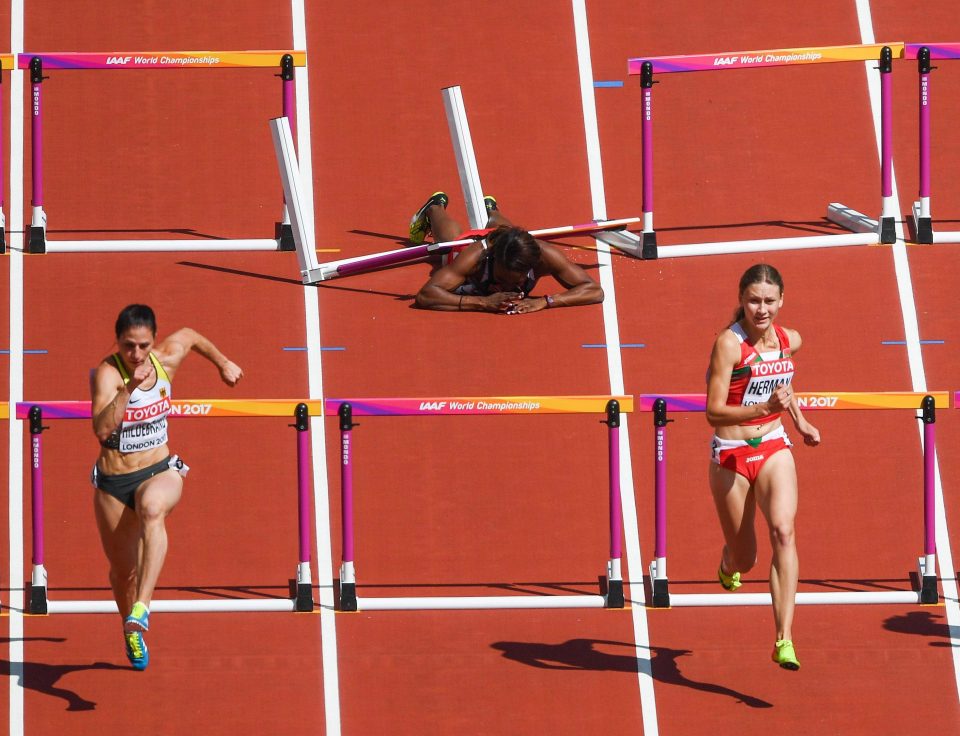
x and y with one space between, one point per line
550 302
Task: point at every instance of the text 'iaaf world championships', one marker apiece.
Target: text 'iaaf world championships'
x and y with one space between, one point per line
168 60
767 59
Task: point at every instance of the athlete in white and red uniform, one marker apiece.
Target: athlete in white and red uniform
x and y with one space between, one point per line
137 481
749 386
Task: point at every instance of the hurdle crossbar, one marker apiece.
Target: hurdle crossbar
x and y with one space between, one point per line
301 599
865 230
373 261
921 220
611 589
924 403
37 63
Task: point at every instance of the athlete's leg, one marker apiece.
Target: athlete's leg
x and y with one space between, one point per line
776 489
156 498
736 510
443 226
120 537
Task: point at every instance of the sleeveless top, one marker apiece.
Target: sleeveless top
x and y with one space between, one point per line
144 424
757 375
481 281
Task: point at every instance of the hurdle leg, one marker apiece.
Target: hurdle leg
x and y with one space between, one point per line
928 563
303 595
38 578
659 584
348 582
466 160
888 233
290 178
614 593
922 221
38 222
648 243
284 230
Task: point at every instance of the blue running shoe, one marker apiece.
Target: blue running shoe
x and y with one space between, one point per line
420 222
139 618
136 650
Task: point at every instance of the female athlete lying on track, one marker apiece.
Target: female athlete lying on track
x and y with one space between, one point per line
498 273
138 481
749 385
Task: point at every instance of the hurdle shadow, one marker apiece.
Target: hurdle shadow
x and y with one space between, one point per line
294 282
582 655
924 623
43 678
822 226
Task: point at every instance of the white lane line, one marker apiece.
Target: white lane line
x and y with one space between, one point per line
321 495
15 457
915 359
611 327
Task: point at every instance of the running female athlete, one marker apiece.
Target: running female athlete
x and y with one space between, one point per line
749 385
138 482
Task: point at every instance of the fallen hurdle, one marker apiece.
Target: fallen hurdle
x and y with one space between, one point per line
613 231
921 220
863 229
925 403
611 592
38 63
301 590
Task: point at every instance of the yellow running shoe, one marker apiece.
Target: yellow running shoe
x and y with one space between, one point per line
729 582
420 222
784 655
136 650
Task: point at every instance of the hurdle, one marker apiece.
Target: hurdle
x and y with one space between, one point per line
925 593
301 590
921 220
37 63
613 231
611 587
863 229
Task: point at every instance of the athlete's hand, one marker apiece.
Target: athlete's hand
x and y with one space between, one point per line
528 305
230 372
781 399
140 374
502 302
811 435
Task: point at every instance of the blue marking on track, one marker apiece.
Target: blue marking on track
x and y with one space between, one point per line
904 342
607 83
622 345
26 352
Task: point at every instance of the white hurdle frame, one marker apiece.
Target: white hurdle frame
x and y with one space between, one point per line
864 230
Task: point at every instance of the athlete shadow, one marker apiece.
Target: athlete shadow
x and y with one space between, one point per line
581 654
44 677
923 623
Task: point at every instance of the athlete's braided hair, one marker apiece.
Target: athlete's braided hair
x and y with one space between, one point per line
514 248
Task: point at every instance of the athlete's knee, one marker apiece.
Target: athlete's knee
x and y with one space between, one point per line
782 534
152 509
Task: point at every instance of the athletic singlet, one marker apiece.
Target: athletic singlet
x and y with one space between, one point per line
144 424
481 280
758 375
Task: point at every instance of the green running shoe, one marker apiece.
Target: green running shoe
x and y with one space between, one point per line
729 582
784 655
139 618
420 222
490 203
136 650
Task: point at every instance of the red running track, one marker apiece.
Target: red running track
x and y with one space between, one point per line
484 505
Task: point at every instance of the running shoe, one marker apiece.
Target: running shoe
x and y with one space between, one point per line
490 203
139 618
136 650
784 655
729 582
420 222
